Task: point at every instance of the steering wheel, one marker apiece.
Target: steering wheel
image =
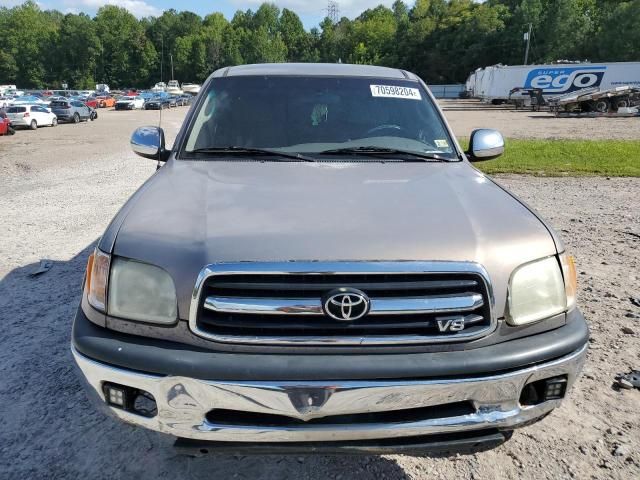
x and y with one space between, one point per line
381 128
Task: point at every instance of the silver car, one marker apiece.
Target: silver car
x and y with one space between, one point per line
70 110
318 267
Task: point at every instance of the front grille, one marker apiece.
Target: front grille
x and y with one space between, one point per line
407 307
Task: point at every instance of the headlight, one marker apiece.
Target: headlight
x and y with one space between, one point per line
138 291
536 291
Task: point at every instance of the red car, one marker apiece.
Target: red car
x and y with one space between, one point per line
4 126
91 102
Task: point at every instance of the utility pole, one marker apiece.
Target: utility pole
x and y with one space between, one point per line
161 57
171 56
333 11
527 38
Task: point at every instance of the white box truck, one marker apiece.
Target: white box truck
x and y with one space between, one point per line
493 84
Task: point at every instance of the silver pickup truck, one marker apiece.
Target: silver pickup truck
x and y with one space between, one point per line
318 267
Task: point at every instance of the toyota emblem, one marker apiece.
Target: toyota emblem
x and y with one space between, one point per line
346 304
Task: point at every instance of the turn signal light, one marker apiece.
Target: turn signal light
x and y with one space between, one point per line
97 279
570 278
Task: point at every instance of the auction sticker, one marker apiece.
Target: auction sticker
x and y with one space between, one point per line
392 91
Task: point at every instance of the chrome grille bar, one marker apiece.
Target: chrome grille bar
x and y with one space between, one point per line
379 306
266 303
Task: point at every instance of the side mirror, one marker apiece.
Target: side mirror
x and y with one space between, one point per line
485 144
148 142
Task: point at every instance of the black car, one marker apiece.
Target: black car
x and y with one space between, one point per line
173 101
178 99
157 103
186 99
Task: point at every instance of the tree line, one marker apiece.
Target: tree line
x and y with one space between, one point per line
441 40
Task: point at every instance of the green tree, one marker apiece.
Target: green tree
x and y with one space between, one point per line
127 57
77 51
27 36
263 47
618 38
373 34
442 40
266 17
299 43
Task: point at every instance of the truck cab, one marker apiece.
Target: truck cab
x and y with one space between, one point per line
319 267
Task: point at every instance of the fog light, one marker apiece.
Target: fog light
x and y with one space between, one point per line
130 399
115 395
555 388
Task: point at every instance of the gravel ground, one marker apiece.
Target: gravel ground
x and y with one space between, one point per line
466 115
61 186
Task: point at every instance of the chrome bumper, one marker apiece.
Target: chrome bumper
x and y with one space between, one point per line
184 402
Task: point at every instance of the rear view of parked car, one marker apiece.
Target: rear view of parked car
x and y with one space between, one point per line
70 110
31 116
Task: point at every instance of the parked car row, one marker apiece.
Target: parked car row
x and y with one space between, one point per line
126 99
33 109
160 102
33 115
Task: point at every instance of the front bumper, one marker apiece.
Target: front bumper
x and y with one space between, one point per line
303 410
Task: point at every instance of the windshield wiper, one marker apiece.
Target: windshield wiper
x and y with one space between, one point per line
252 151
375 151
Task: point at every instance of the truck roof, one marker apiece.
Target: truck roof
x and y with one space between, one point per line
314 69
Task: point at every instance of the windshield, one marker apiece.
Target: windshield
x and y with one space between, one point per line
316 114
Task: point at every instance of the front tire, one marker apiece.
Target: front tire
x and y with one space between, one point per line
54 122
33 125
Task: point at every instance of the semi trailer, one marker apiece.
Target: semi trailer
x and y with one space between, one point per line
493 84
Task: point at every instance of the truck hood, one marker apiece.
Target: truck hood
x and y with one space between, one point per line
190 214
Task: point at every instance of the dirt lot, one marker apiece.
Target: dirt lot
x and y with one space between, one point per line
466 115
60 187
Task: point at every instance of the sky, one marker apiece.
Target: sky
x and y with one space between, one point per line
311 12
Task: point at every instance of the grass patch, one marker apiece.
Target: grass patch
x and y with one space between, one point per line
611 158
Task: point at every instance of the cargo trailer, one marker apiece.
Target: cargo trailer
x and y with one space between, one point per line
493 84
